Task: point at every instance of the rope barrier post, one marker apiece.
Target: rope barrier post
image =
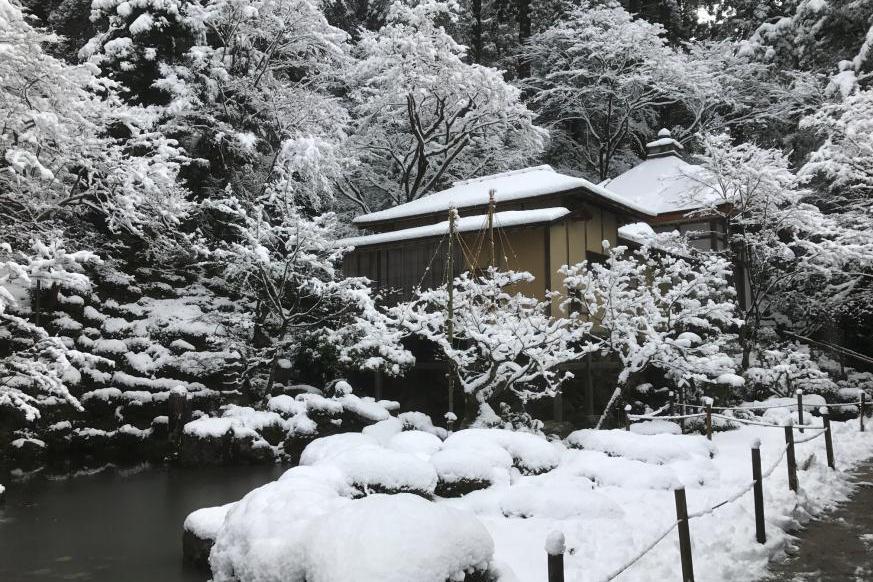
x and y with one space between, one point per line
627 419
861 410
800 409
792 463
760 533
684 535
707 403
829 441
555 547
671 402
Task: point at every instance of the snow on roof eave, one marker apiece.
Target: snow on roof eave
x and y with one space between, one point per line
505 219
509 186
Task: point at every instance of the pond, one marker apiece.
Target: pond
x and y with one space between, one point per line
119 524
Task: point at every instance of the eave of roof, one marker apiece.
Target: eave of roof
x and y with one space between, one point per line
527 183
505 219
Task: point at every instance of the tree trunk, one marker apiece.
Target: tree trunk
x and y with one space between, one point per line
476 32
524 29
471 410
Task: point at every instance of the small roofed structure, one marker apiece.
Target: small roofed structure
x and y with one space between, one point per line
542 220
669 188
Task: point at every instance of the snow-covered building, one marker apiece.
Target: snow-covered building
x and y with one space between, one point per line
542 219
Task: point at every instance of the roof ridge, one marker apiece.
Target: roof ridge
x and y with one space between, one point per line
502 175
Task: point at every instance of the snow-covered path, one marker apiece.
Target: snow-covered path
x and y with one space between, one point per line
839 546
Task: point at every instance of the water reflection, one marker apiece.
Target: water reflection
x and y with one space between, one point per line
113 526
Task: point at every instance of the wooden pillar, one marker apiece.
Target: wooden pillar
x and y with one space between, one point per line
176 415
684 535
760 532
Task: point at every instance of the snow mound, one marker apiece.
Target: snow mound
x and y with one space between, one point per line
205 523
461 470
423 444
558 499
531 454
397 538
263 537
656 449
651 427
321 450
379 470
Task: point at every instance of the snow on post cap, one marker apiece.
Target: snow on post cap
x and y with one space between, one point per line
664 132
824 410
555 543
451 416
756 444
799 391
179 390
708 401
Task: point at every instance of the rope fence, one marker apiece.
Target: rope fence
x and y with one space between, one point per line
755 485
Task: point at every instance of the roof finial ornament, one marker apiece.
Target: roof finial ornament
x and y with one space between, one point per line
665 145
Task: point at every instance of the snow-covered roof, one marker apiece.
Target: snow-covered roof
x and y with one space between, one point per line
513 185
662 185
663 141
504 219
638 232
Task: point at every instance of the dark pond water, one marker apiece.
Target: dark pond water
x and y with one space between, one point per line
114 526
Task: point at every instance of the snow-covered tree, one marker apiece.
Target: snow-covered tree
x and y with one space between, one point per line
834 36
654 309
287 267
40 369
799 265
254 98
505 343
842 166
601 78
424 117
70 147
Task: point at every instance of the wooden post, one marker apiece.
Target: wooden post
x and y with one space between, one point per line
555 550
450 316
800 409
491 205
378 384
627 420
829 441
684 535
707 403
861 410
760 533
792 463
176 415
671 403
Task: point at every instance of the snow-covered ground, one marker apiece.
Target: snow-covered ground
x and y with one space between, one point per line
609 492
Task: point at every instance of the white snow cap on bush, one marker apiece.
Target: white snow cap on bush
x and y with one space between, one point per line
395 538
368 466
657 449
530 453
263 536
484 463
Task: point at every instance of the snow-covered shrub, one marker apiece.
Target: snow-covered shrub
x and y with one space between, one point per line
531 454
370 468
781 371
461 470
302 528
394 539
657 449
